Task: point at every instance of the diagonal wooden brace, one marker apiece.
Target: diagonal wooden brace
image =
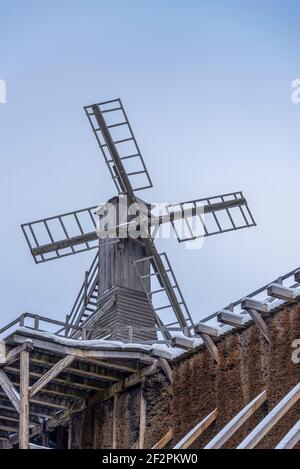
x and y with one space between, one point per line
51 374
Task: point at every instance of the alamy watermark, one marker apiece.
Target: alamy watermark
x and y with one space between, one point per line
296 352
140 220
295 96
2 91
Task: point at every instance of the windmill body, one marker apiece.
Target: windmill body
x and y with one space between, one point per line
130 292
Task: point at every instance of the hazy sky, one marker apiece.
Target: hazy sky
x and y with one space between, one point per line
207 88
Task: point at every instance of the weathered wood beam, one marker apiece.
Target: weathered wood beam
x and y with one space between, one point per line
220 439
190 437
260 323
56 390
202 328
14 353
164 440
135 445
8 428
65 380
11 414
283 293
249 303
85 353
166 369
48 401
33 446
35 410
212 348
9 390
116 365
5 424
256 435
127 382
70 432
24 400
232 319
4 415
115 421
52 373
291 438
83 369
297 276
182 342
143 417
50 360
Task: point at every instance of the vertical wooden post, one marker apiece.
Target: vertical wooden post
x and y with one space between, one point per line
143 409
70 432
24 400
115 421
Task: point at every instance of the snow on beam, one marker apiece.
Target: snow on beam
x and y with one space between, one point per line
283 293
182 342
226 317
202 328
291 438
259 306
236 422
271 419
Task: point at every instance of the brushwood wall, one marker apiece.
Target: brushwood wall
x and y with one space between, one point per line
248 366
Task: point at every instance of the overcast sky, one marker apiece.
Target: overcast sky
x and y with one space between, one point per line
207 88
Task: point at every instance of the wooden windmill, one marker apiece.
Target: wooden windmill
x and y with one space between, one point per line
118 298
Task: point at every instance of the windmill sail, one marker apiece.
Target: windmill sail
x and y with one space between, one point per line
62 235
118 145
210 216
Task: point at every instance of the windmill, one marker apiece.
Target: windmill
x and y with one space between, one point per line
130 291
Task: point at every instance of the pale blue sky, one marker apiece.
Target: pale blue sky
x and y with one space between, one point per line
207 88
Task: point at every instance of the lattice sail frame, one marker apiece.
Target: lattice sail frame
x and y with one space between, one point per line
218 214
124 140
62 235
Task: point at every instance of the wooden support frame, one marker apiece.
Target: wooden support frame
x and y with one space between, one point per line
143 418
127 382
249 303
10 390
164 440
52 373
277 290
115 420
291 438
231 319
182 342
260 323
256 435
190 437
220 439
212 348
24 400
14 353
166 369
202 328
86 354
